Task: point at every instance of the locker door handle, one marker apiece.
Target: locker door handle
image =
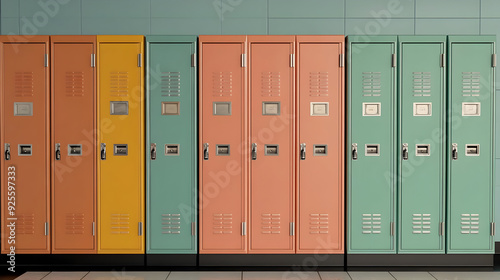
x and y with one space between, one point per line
58 151
254 151
153 151
405 151
354 149
7 151
205 151
454 151
103 151
302 151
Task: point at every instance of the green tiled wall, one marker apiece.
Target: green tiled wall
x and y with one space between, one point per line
175 17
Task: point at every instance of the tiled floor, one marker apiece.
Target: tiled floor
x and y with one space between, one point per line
258 275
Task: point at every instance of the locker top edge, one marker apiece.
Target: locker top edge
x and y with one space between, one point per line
472 38
73 38
320 38
372 39
222 38
423 38
120 38
171 38
24 39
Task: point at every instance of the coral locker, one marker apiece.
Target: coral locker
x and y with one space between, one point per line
421 160
25 143
320 152
223 144
371 145
271 62
471 102
121 144
73 145
172 160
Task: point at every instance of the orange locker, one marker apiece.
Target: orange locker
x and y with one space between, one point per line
25 142
272 134
73 144
223 144
320 115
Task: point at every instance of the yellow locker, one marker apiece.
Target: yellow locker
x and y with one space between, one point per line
121 135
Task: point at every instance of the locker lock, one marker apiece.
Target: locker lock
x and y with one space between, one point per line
103 151
454 151
405 151
153 151
302 151
58 151
7 151
205 151
254 151
354 150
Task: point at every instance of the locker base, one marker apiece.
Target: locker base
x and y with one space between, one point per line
309 261
171 260
76 260
417 260
497 248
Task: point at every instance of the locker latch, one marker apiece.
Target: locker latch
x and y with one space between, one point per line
7 151
254 151
58 151
153 151
354 150
454 151
103 151
205 151
405 151
302 151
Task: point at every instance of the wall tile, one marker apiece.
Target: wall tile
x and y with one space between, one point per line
52 9
185 26
447 26
116 8
380 8
9 26
447 8
492 27
116 26
10 8
306 9
53 26
490 8
246 26
306 26
376 27
245 9
186 8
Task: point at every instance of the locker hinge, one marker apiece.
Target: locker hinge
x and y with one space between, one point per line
494 60
492 229
441 228
244 228
394 60
193 229
392 228
92 60
244 60
7 151
193 60
139 60
140 228
46 60
93 228
442 60
292 60
341 60
46 228
292 229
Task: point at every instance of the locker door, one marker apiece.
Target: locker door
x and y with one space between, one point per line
73 141
422 166
121 189
172 145
371 145
223 144
470 181
320 193
25 136
272 195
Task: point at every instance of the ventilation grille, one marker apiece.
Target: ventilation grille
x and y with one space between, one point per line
470 83
24 84
422 83
120 223
75 223
372 223
469 223
271 83
119 84
318 223
171 83
271 223
25 224
223 83
170 223
372 83
223 223
318 84
74 84
421 223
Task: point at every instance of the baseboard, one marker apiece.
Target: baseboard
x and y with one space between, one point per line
261 260
417 260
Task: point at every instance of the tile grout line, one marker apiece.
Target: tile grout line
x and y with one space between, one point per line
85 275
392 275
480 16
415 17
168 275
432 275
345 16
267 18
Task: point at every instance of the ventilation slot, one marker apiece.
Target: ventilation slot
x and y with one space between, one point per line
74 84
372 83
318 84
119 84
318 223
422 83
171 223
371 223
25 224
222 83
75 223
470 83
469 223
24 84
223 223
271 223
421 223
120 223
171 83
271 83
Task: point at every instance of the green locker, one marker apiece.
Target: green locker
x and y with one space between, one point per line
421 133
171 145
470 183
371 144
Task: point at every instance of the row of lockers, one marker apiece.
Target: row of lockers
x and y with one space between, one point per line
95 165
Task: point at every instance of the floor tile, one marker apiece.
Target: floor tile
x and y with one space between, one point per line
35 275
334 275
280 275
405 275
65 275
369 275
127 275
205 275
477 275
